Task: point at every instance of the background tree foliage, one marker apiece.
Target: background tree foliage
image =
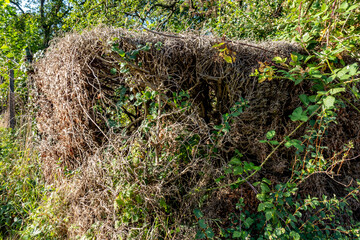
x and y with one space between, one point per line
34 23
319 25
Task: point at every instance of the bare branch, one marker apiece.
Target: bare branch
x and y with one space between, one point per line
18 6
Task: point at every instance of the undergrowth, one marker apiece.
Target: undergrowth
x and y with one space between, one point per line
21 182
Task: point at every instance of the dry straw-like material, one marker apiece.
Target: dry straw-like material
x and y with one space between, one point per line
76 72
81 74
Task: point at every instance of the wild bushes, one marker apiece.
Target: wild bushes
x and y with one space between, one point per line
21 183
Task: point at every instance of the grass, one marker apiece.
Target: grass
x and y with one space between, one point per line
21 182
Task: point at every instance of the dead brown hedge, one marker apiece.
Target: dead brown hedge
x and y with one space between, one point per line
76 72
78 84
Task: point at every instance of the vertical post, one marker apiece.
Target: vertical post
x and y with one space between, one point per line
12 119
1 102
29 56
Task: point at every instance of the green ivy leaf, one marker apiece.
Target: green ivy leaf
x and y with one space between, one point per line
304 99
329 102
298 214
279 231
261 197
113 71
218 127
264 188
265 205
200 235
299 114
158 46
235 161
248 222
316 74
198 213
345 77
265 180
353 69
269 215
292 218
119 51
209 233
295 235
249 166
312 108
228 170
202 224
274 142
236 234
261 207
269 205
147 95
238 170
336 90
344 5
352 7
237 113
146 48
270 134
295 143
124 70
312 98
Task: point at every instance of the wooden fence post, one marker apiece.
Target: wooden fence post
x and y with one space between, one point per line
1 102
12 120
29 56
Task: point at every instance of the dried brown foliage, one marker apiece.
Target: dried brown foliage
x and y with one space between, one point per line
156 158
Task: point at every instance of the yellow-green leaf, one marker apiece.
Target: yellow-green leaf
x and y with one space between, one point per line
227 58
10 55
218 45
5 47
262 79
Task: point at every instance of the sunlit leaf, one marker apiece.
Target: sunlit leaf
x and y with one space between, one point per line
5 47
270 134
218 45
336 90
329 102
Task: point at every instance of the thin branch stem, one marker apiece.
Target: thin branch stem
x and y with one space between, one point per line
18 6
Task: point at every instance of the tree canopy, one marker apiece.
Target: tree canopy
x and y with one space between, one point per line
326 26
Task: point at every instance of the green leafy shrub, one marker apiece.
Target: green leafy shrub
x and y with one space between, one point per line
284 212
